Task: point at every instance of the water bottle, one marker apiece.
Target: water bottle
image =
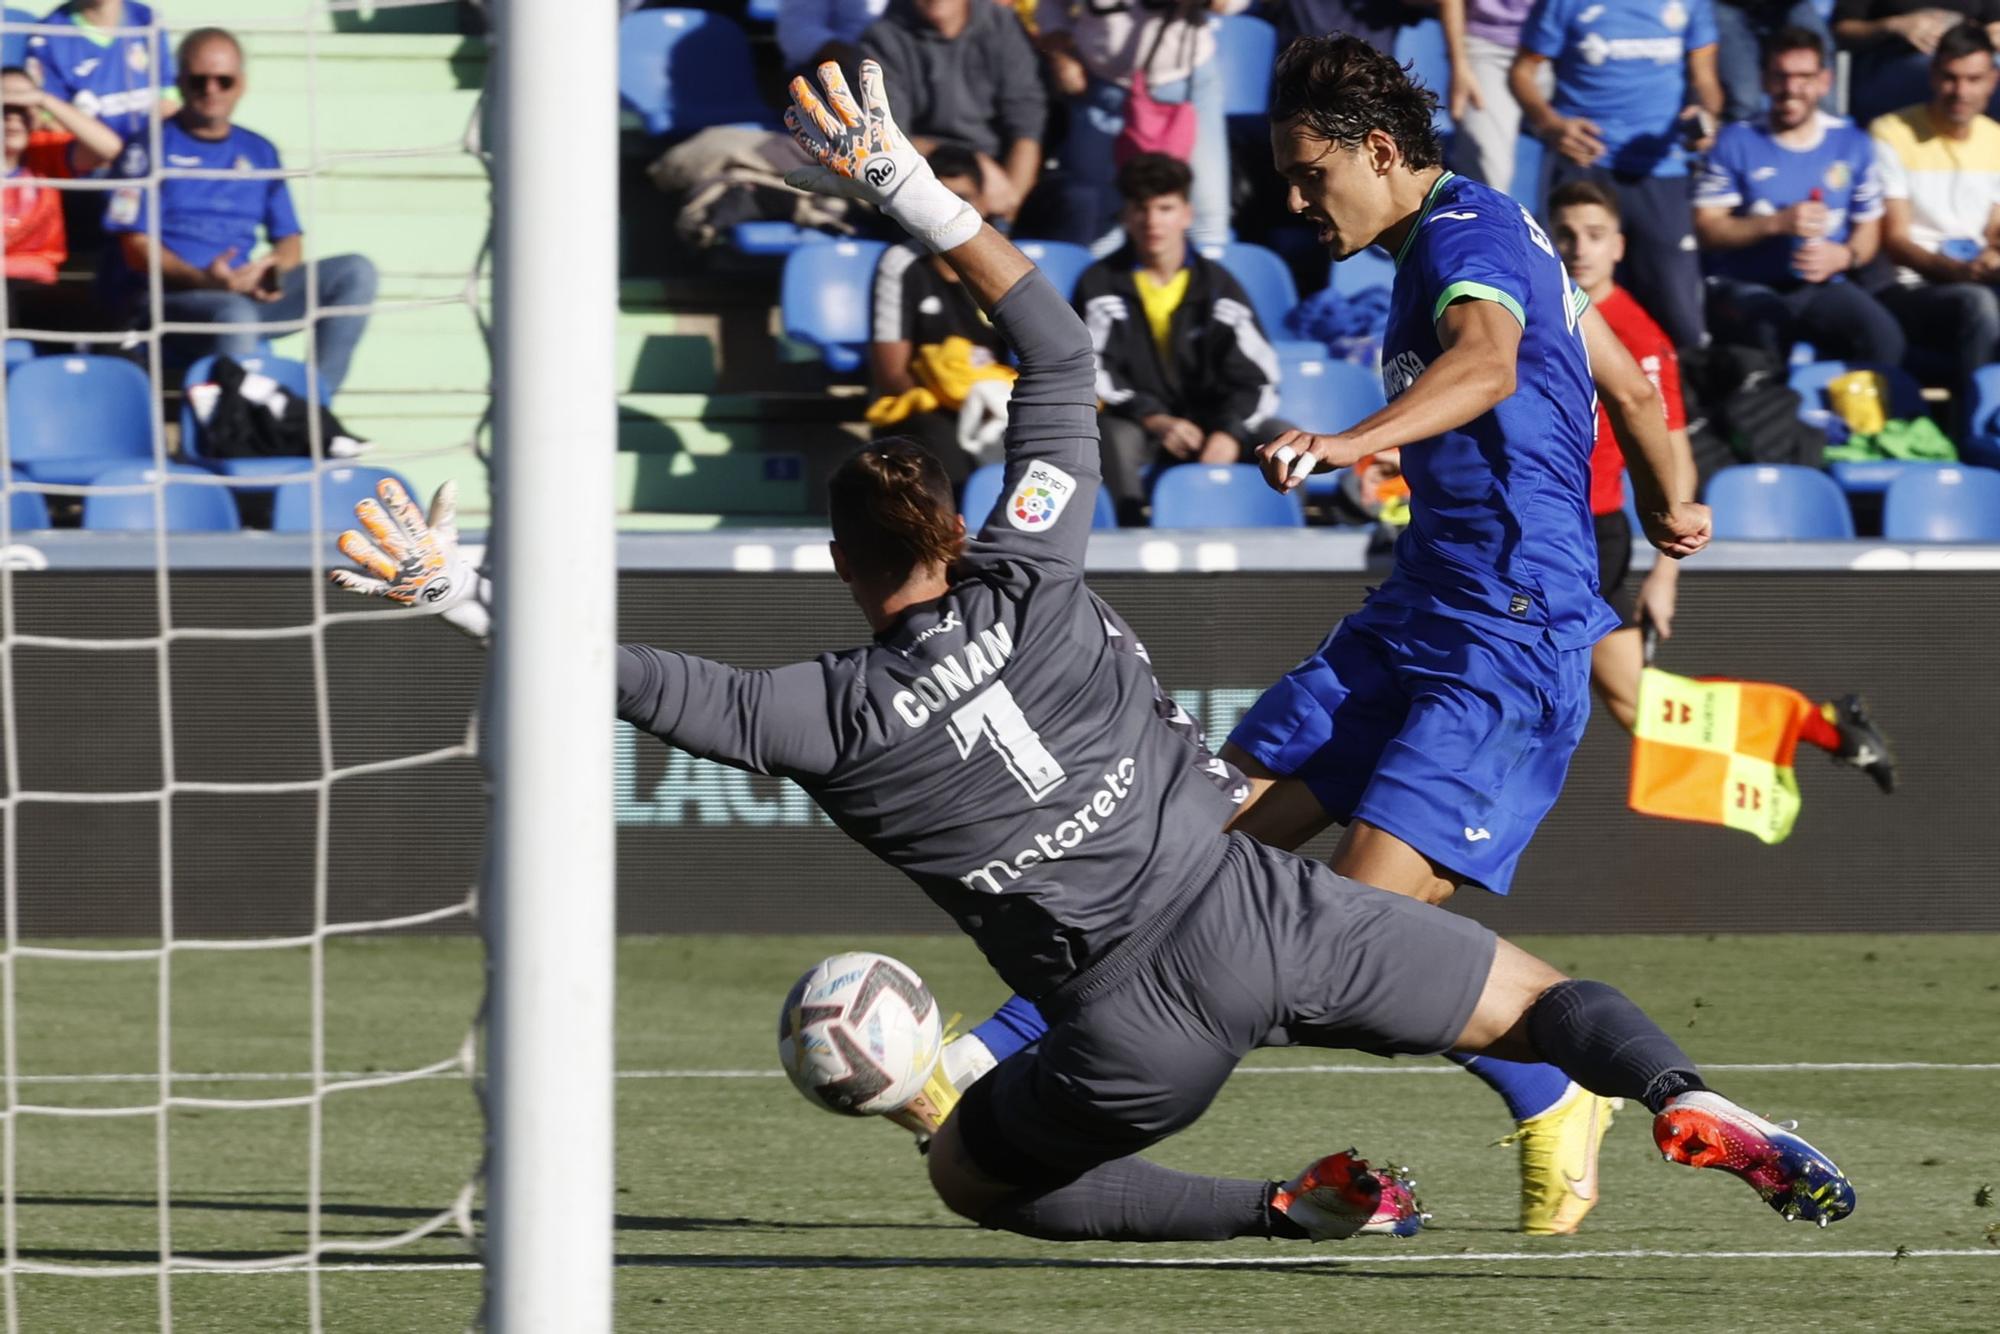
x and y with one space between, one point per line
1801 242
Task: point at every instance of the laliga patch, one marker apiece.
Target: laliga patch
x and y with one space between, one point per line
1039 498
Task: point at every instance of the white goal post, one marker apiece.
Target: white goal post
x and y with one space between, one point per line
548 909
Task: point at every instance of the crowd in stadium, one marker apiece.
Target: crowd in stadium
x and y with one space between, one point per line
1776 242
1814 274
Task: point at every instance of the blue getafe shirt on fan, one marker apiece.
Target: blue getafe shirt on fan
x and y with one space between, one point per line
1500 530
1622 64
200 219
113 78
1753 175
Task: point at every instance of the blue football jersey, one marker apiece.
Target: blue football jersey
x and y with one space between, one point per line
1500 530
1753 175
116 79
1623 65
200 218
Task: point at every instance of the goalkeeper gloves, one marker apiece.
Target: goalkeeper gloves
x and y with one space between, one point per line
413 559
862 155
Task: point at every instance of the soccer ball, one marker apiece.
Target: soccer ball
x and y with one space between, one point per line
859 1034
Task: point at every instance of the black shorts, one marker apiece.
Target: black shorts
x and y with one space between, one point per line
1277 951
1614 565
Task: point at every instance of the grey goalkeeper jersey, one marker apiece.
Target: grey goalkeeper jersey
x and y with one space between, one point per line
1005 746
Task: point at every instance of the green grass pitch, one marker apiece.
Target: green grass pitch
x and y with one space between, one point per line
741 1207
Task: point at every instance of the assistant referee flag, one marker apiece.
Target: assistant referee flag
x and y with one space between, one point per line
1717 752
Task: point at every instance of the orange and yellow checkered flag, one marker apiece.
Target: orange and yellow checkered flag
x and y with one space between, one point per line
1717 752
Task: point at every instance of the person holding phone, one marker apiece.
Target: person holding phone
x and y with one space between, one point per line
208 226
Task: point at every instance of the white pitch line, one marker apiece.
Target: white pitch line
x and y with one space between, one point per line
1100 1262
300 1076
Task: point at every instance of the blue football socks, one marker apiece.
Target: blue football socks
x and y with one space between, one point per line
1529 1090
1013 1026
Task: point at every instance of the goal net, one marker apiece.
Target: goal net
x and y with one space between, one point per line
243 817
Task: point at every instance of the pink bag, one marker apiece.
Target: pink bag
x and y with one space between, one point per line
1153 126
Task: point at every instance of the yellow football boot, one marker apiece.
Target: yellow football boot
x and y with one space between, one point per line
1559 1161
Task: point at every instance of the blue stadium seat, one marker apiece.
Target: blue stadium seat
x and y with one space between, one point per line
14 46
339 489
1906 396
682 70
288 373
1368 268
773 238
824 298
1778 502
1247 48
26 509
18 351
1943 504
764 11
1980 442
982 489
1906 402
1324 396
1062 261
69 418
1231 495
1267 281
190 508
1421 46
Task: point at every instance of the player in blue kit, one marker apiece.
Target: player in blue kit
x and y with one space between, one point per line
1437 722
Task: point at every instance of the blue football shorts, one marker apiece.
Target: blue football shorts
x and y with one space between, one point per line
1454 740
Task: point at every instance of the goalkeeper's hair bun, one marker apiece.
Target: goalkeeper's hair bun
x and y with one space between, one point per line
892 511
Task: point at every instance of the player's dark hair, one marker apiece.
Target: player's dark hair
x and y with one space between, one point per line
1148 176
951 162
1792 37
1574 194
1968 38
892 511
1340 88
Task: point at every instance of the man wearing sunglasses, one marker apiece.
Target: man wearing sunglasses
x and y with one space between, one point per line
208 226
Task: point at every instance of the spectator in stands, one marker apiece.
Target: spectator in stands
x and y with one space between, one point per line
965 72
1184 372
36 242
112 77
1093 52
1893 42
1375 22
1745 29
1635 91
208 227
919 303
1482 105
1940 166
811 32
1787 208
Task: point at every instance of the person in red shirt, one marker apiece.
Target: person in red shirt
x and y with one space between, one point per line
1585 226
44 138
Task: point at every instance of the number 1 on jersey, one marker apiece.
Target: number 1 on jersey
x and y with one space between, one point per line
993 714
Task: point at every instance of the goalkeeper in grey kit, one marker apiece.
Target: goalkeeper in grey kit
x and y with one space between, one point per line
994 743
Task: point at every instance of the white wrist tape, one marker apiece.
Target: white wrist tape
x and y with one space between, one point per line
932 214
